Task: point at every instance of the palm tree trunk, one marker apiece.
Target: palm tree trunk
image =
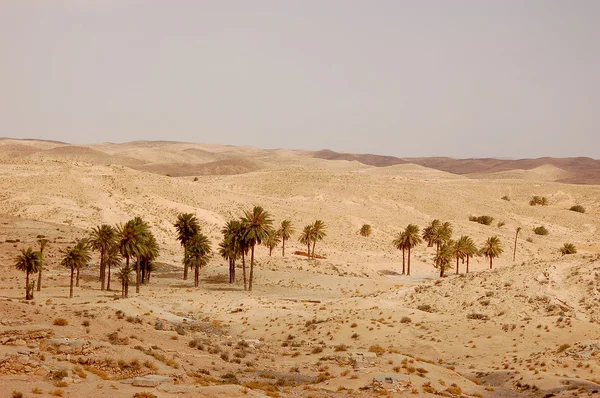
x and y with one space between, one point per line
270 250
251 269
108 279
313 248
27 285
403 268
491 262
137 276
468 264
102 271
185 263
77 284
196 276
457 265
283 247
231 270
39 286
408 263
515 251
244 270
442 268
308 245
143 267
71 285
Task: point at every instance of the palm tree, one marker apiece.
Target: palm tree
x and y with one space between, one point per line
317 233
411 240
468 248
399 244
42 242
187 227
305 238
123 274
146 259
112 259
273 239
257 224
459 250
198 253
82 246
231 248
430 231
285 231
75 258
568 248
365 230
443 256
516 236
29 262
442 235
492 249
102 238
132 241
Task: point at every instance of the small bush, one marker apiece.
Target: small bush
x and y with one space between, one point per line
37 391
85 323
505 197
478 316
562 348
539 201
578 209
17 394
425 308
317 350
405 319
144 394
365 230
501 224
485 220
377 349
568 248
60 322
541 230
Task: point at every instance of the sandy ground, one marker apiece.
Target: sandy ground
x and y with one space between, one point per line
311 327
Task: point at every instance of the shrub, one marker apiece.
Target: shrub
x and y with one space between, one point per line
479 316
485 220
541 230
501 224
365 230
568 248
17 394
195 179
578 209
341 347
538 200
144 394
405 319
505 197
425 308
317 350
562 348
60 322
377 349
85 323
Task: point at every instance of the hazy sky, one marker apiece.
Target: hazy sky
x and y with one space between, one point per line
503 78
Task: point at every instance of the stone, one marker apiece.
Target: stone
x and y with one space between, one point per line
42 371
21 342
149 381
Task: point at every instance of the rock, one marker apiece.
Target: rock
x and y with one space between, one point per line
150 380
42 371
4 340
21 342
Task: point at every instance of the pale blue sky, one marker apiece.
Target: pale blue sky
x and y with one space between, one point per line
504 78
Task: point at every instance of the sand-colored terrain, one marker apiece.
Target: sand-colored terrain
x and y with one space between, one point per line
319 328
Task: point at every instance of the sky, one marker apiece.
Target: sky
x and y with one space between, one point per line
504 78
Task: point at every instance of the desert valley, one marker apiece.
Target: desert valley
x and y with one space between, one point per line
346 323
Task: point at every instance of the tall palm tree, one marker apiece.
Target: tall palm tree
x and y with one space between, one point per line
124 276
399 244
29 262
42 242
231 248
443 257
305 238
411 240
317 233
102 238
273 239
198 253
83 247
257 224
459 250
146 259
469 248
132 240
442 235
492 249
112 259
75 258
286 230
187 227
429 232
516 236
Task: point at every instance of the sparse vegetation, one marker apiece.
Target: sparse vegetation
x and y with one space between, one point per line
578 209
365 230
568 248
539 201
541 230
60 322
485 220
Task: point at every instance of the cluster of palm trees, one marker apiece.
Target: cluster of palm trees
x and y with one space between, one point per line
447 249
196 245
311 234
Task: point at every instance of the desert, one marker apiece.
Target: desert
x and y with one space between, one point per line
347 322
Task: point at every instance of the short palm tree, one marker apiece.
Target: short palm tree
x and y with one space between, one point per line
101 239
198 254
187 227
29 262
411 240
112 259
131 238
459 251
273 239
124 276
148 256
365 230
75 258
305 238
442 234
492 249
231 248
257 224
286 230
443 257
318 233
516 236
398 243
430 232
83 247
568 248
468 248
42 242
